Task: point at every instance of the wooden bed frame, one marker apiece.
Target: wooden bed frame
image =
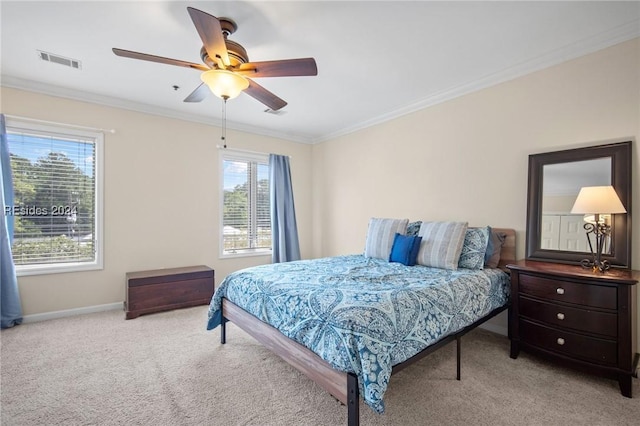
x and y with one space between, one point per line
343 386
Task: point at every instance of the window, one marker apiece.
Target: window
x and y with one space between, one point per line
246 217
57 186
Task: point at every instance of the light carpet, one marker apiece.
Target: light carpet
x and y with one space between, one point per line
166 369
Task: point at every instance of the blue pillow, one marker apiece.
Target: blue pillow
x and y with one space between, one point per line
474 248
490 248
405 249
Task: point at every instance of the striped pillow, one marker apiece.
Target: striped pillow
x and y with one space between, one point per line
441 244
381 234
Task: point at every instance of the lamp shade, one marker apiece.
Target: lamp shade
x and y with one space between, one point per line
224 84
598 200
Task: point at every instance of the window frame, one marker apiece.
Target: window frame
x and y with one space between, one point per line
228 154
15 125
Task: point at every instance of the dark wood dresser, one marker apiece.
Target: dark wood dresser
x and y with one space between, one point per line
165 289
576 317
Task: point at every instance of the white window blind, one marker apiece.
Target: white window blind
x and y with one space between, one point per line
55 185
246 217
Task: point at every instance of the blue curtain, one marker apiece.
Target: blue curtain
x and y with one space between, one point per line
284 229
10 309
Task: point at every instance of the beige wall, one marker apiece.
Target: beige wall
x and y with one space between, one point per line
161 198
466 159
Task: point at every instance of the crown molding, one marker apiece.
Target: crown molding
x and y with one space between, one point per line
583 47
63 92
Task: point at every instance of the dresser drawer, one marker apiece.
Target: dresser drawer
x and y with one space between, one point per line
567 317
574 345
596 296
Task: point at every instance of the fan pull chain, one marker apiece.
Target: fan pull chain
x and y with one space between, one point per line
224 121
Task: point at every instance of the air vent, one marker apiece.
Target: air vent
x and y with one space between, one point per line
57 59
278 112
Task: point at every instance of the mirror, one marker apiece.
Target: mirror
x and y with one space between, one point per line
559 229
555 178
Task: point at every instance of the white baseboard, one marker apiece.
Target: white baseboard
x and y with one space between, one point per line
495 328
70 312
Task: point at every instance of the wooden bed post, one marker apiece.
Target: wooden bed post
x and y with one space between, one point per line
353 400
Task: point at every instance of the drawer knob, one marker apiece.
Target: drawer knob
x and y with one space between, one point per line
560 290
560 316
560 341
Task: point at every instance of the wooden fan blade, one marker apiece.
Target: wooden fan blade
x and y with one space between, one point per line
263 95
210 32
281 68
159 59
199 94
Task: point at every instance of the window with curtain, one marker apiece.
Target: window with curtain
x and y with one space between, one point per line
246 217
56 180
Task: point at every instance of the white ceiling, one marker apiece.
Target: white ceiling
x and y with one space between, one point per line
376 59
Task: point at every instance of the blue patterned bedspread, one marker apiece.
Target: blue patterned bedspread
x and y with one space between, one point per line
363 315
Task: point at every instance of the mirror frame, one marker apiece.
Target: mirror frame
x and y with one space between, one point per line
620 154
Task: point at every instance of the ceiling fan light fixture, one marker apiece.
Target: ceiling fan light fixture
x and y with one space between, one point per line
226 62
224 84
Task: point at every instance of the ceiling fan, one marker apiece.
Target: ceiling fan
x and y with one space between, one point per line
227 70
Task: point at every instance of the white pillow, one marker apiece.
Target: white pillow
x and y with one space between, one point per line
380 236
441 244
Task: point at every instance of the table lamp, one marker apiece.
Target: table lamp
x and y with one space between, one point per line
597 200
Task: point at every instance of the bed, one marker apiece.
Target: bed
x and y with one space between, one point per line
350 322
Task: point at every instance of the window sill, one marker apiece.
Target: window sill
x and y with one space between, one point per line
245 254
22 271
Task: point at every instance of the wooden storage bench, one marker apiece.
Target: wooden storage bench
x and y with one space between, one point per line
166 289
